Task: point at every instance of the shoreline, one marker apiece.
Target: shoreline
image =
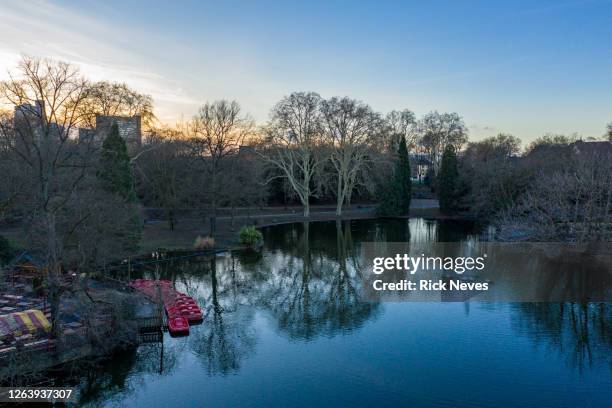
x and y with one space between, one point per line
156 234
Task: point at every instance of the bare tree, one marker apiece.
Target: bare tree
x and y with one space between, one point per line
549 140
244 184
609 132
219 130
164 171
349 129
570 204
294 140
402 123
47 96
439 130
12 180
116 99
502 146
492 176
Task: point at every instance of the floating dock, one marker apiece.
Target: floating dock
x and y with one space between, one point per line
181 309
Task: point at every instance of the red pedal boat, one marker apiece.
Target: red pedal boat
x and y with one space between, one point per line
191 313
189 308
178 326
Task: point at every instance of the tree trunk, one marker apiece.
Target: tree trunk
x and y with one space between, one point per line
171 220
213 218
214 285
213 225
53 273
339 197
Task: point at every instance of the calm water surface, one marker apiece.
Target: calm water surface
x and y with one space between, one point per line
290 327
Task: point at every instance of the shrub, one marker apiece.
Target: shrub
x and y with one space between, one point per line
250 236
204 242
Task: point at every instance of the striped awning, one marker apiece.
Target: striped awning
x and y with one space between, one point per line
20 323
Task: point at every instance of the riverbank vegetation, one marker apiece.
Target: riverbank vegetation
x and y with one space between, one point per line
559 189
81 202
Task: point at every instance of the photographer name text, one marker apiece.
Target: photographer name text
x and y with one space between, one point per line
429 285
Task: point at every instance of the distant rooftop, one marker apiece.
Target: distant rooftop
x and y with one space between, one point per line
594 147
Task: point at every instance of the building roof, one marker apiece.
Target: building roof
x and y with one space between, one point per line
590 148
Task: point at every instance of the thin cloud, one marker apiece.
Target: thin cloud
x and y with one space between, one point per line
101 51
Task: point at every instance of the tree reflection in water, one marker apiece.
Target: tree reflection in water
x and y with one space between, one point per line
317 288
226 337
580 332
124 373
309 292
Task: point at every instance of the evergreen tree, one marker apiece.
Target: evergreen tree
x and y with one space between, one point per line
402 175
448 182
115 174
115 168
395 195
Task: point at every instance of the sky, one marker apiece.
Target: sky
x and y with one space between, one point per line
520 67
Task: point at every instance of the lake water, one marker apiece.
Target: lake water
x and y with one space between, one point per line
290 327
